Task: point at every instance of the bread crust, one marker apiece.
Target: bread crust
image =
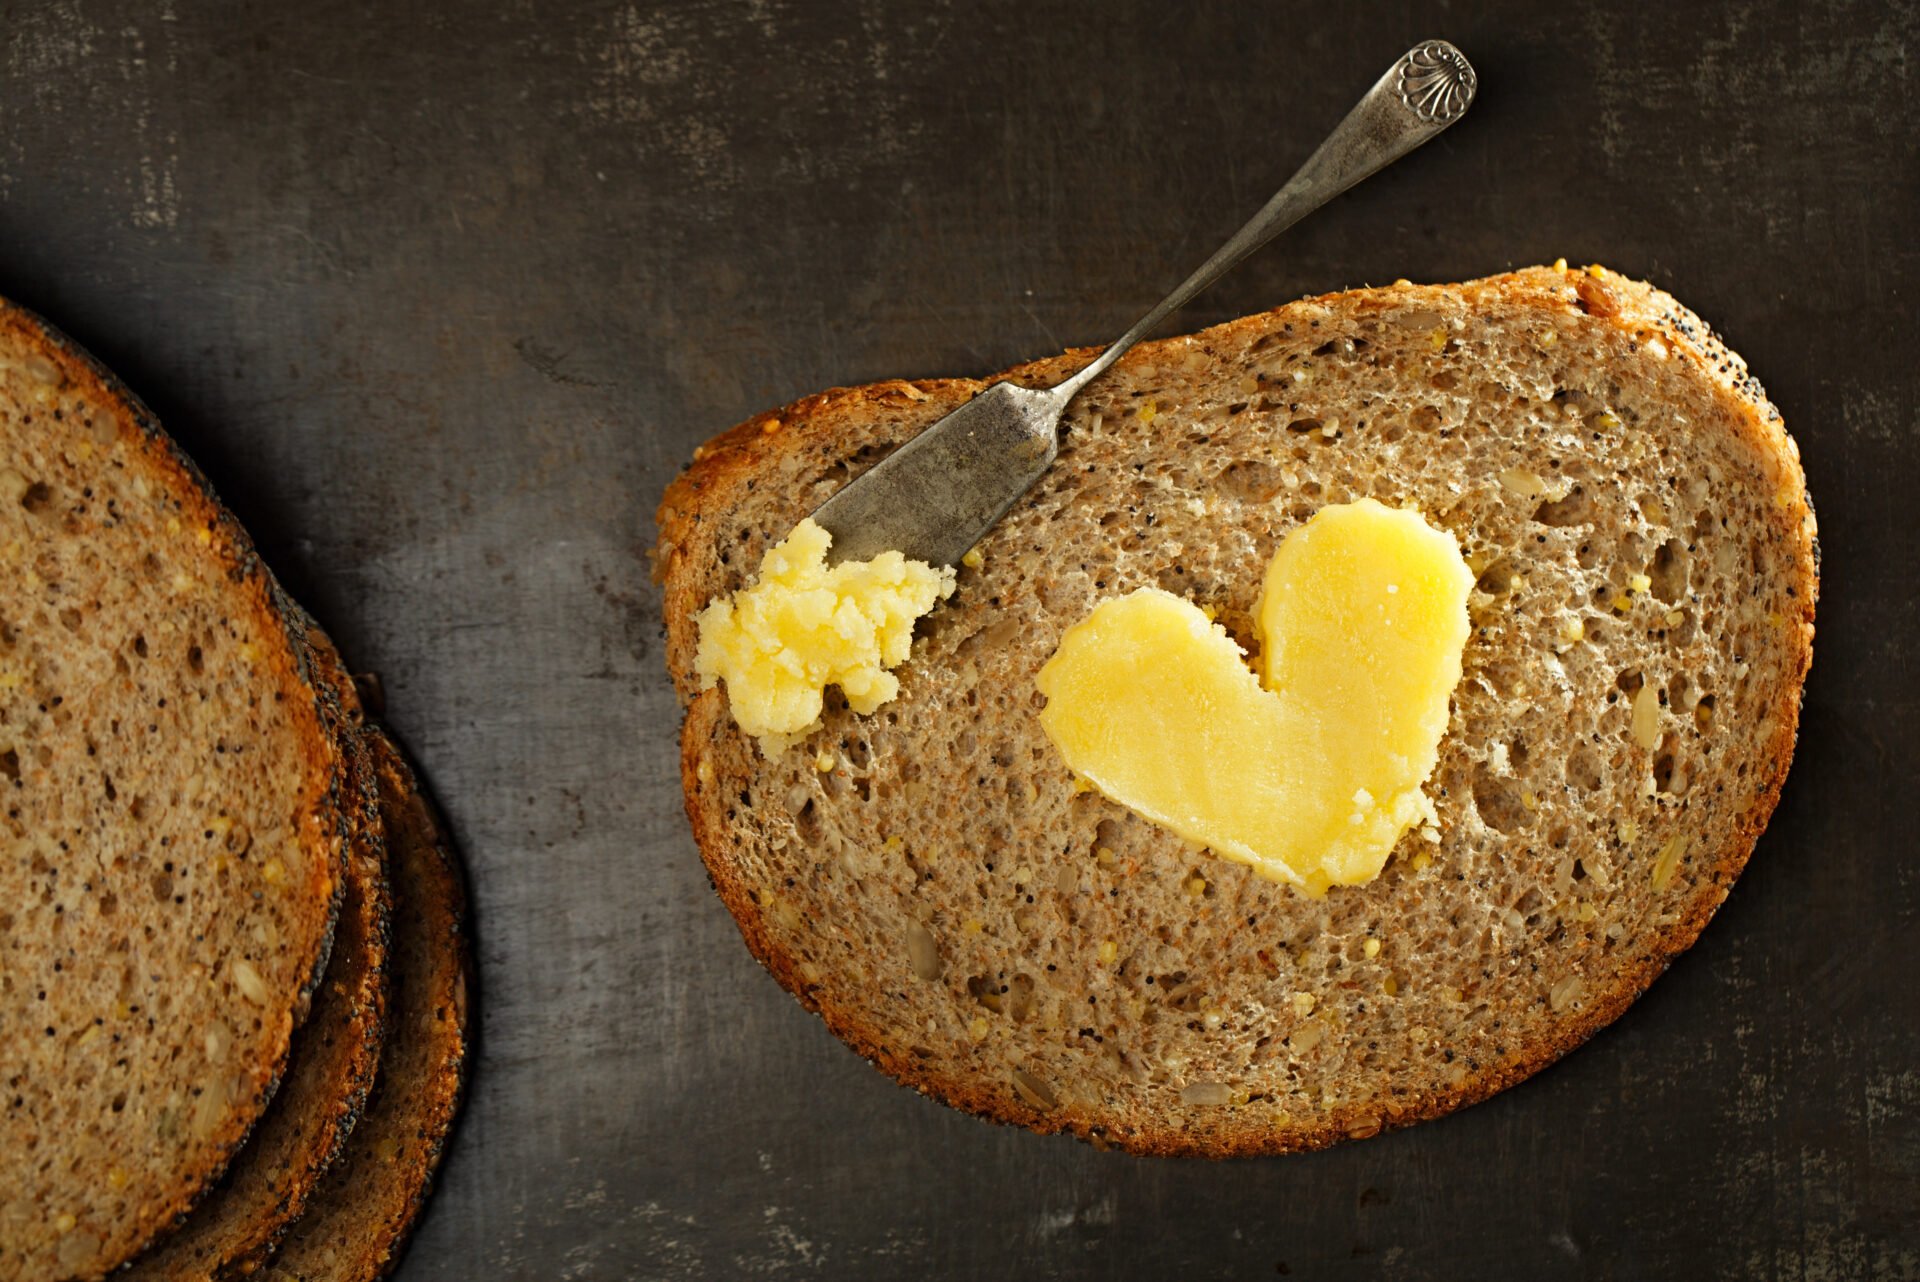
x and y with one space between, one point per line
838 423
286 669
333 1061
354 1227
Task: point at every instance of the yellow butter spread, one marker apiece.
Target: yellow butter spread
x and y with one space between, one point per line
1313 770
802 626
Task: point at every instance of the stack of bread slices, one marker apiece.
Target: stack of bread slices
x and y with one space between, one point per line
233 947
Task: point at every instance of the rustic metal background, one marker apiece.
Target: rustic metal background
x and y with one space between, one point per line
441 296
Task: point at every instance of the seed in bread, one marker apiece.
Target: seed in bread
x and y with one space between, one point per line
959 912
172 809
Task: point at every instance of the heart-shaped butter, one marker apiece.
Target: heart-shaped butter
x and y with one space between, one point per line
1314 774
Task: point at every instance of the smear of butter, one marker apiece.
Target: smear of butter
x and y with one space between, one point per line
802 626
1313 771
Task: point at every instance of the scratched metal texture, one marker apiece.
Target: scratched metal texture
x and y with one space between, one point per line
441 295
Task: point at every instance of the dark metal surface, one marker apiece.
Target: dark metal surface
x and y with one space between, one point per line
441 296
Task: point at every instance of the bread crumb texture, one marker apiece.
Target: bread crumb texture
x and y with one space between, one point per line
331 1066
167 898
984 930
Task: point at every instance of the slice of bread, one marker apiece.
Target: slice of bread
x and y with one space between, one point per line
959 912
360 1215
334 1054
172 811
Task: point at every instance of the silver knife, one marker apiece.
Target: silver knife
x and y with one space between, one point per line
936 495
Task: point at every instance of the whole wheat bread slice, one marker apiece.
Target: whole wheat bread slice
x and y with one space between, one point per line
174 843
359 1216
942 894
335 1052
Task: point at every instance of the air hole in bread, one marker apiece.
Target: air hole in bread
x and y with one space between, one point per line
37 498
1496 578
992 638
1498 803
1020 998
1668 570
1250 481
1575 509
1583 770
1181 993
1664 779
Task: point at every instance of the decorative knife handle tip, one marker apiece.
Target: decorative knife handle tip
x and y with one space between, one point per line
1436 83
